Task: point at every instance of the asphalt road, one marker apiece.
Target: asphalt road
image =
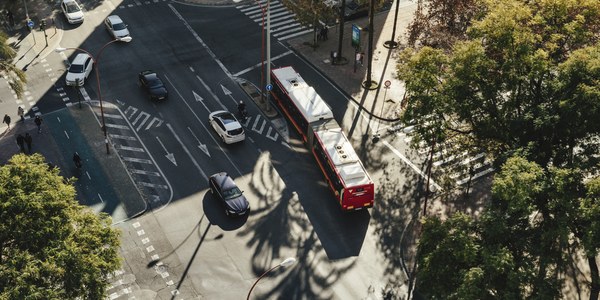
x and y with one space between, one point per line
169 150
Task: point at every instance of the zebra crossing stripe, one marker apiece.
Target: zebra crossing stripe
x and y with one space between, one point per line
127 148
143 172
293 35
291 16
122 137
476 176
118 126
138 160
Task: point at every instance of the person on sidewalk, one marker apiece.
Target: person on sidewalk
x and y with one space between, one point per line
21 142
38 122
28 140
6 120
21 113
324 31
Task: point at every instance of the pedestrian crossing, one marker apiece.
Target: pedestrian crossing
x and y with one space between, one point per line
448 159
283 22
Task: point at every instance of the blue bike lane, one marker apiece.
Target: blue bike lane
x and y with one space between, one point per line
102 182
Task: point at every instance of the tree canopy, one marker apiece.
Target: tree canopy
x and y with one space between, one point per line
517 248
521 80
526 78
51 247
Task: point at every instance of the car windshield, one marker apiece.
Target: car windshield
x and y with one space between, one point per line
76 69
119 26
72 7
232 193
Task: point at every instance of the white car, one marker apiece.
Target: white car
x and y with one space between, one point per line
72 11
227 126
117 28
79 70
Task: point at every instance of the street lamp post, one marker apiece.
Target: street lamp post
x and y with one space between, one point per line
286 263
96 59
262 54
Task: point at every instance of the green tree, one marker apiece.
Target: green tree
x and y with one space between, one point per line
311 12
16 77
518 248
50 246
524 80
444 22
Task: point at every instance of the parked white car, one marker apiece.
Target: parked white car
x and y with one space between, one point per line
72 11
227 126
79 70
117 28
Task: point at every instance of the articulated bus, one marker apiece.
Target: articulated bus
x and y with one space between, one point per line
313 119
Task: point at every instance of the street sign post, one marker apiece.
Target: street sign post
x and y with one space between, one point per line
269 87
356 37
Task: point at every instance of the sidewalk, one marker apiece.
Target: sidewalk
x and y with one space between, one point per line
57 145
31 48
383 64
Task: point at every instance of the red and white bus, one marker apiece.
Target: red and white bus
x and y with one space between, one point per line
313 119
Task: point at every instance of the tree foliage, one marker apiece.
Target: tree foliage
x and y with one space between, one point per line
526 78
517 248
50 246
311 12
16 77
444 22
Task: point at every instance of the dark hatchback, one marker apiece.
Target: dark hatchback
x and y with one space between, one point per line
153 85
227 192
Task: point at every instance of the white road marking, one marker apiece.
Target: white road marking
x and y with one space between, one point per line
410 164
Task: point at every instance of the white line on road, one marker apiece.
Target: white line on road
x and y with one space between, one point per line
144 172
410 164
242 72
188 152
122 137
152 185
138 160
135 149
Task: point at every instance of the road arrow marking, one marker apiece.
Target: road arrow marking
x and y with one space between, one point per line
169 156
120 102
199 99
200 145
211 92
228 93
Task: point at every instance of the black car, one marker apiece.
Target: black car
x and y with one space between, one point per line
225 189
153 85
355 10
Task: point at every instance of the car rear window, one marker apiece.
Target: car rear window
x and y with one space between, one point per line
235 131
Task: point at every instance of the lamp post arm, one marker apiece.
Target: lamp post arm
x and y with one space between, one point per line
259 278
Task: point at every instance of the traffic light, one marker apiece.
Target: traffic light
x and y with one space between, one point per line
43 25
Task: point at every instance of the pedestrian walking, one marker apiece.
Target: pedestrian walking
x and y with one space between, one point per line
362 56
28 140
38 122
77 160
21 113
324 33
358 58
21 142
6 120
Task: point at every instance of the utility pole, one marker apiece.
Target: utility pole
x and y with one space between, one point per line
268 53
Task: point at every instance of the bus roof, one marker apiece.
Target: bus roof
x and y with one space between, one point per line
310 104
342 155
